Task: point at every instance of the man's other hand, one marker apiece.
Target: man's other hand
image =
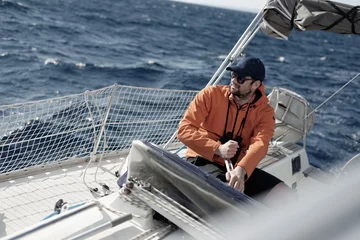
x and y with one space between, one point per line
228 149
236 178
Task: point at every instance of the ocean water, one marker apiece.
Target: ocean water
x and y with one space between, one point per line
56 47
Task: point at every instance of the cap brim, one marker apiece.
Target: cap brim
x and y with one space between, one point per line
239 71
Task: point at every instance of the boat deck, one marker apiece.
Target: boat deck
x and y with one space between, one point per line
28 200
31 197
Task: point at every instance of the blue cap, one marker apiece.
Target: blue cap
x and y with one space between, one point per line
249 67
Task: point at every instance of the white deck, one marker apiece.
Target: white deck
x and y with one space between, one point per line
28 200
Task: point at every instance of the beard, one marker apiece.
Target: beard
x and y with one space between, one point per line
242 95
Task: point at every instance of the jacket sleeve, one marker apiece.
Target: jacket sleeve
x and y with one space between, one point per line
259 143
188 132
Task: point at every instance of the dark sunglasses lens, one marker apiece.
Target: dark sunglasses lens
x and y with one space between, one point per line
240 80
237 78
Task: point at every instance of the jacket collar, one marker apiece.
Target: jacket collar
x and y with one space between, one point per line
258 98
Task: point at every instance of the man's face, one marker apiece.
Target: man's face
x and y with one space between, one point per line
242 88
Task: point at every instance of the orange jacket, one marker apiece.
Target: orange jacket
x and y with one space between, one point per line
204 122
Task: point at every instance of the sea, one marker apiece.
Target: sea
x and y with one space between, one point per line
59 47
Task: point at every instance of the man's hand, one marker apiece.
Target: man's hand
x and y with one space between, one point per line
228 149
236 178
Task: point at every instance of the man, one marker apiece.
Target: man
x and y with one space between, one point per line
233 122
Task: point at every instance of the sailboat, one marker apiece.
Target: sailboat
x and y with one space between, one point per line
106 164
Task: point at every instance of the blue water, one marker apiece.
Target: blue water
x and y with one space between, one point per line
56 47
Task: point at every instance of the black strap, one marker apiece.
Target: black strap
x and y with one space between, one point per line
242 122
350 16
227 116
236 117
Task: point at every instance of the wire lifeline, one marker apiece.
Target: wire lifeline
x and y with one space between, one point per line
307 116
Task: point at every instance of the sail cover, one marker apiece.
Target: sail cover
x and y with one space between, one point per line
281 16
185 183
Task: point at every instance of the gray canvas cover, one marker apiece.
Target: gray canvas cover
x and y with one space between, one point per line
281 16
194 189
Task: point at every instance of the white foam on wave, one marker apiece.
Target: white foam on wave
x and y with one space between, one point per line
21 4
106 65
281 59
222 56
8 39
80 65
4 54
51 61
323 58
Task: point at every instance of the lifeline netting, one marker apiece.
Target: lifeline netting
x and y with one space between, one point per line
71 127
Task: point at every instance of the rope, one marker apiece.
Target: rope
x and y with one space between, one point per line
300 122
350 16
97 138
92 156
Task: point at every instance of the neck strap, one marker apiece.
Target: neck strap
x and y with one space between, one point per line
242 122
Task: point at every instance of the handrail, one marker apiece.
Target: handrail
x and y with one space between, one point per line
102 227
239 46
53 220
49 222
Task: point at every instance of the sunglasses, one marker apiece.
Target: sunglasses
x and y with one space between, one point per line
240 80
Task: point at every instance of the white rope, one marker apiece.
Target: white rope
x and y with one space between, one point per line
97 138
92 156
105 142
356 76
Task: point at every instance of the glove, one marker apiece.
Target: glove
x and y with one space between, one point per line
236 178
228 149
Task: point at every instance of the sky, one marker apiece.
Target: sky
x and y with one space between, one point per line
246 5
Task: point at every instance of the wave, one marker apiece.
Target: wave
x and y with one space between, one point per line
66 134
69 133
46 46
148 67
53 61
10 5
16 58
9 39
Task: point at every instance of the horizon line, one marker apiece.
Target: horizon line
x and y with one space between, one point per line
250 10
